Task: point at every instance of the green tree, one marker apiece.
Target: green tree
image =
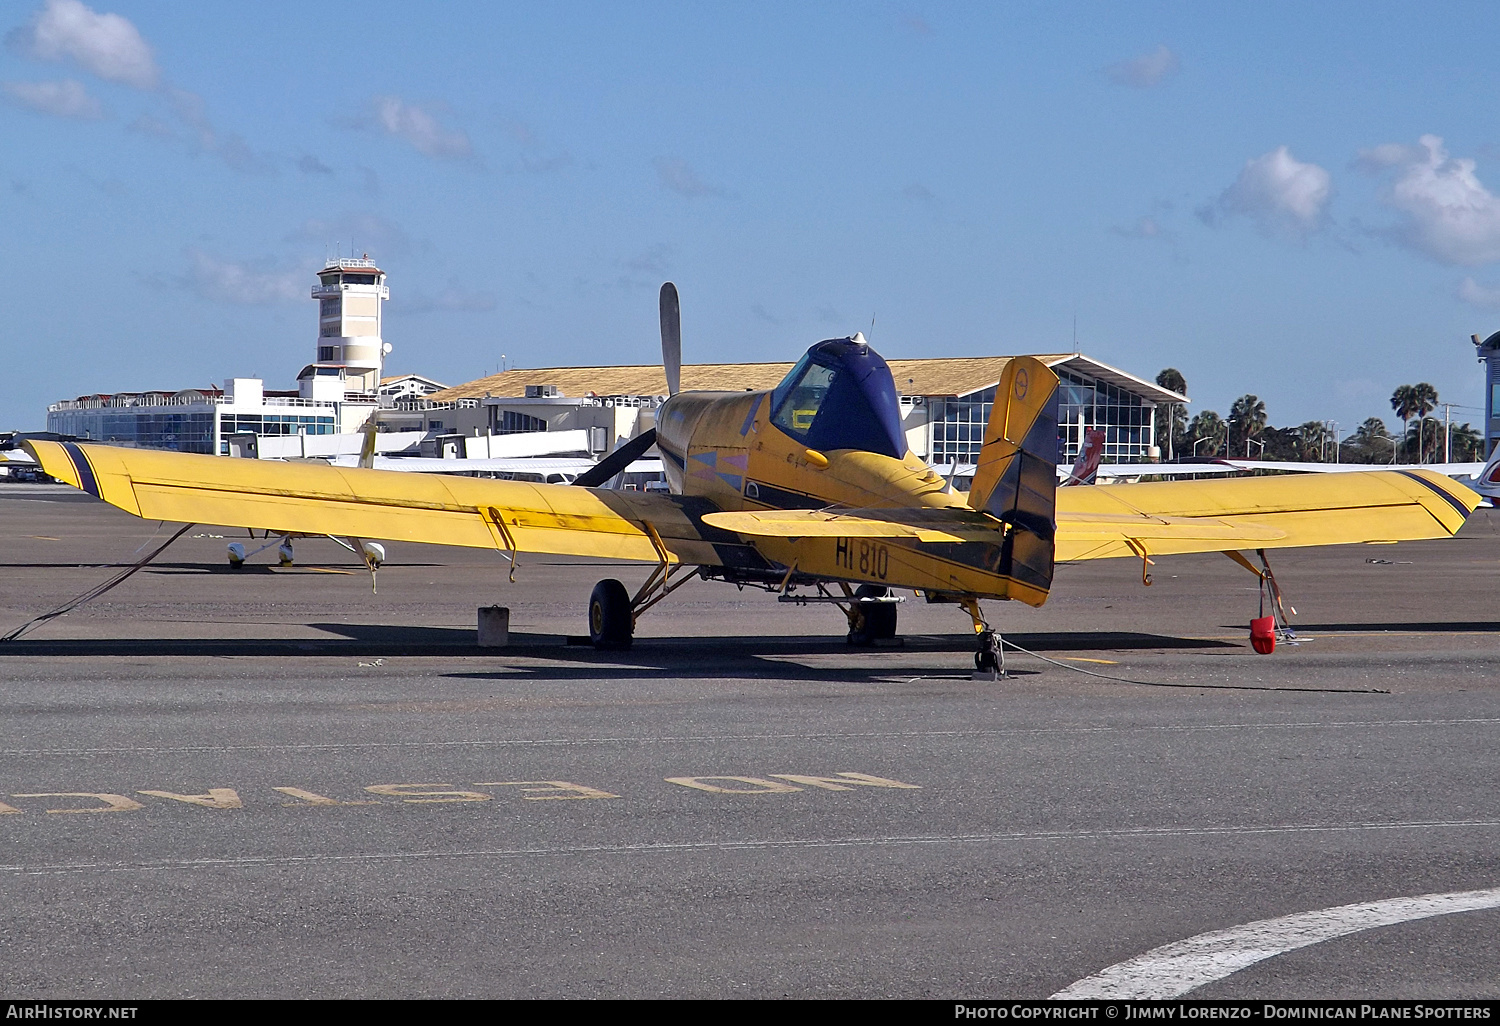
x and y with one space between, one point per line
1404 402
1314 442
1247 419
1171 418
1281 443
1371 442
1208 429
1468 444
1424 400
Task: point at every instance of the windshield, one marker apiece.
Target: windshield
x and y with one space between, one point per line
841 396
804 397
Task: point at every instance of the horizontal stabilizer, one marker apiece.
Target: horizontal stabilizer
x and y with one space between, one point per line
920 524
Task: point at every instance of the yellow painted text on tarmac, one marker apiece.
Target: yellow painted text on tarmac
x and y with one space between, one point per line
758 785
842 784
112 802
309 798
216 798
429 793
532 790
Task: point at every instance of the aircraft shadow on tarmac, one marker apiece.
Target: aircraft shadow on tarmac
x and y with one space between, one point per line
690 656
1403 626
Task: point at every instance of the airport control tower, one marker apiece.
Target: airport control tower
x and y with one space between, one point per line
349 293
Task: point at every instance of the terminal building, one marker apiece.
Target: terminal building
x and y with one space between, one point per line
587 411
945 402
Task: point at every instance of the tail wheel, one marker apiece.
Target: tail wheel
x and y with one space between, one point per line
610 624
876 621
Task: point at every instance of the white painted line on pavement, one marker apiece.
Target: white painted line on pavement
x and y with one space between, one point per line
714 738
675 847
1174 969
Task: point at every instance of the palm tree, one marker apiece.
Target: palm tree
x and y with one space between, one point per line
1208 428
1468 444
1247 419
1424 400
1404 402
1371 439
1175 421
1312 441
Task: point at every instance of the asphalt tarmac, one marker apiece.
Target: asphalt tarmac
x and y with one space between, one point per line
276 783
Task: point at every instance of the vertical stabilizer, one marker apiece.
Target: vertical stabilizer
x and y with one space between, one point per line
1016 479
1487 481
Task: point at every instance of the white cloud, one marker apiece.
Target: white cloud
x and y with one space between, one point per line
1448 214
683 180
225 281
412 124
105 44
65 99
1486 297
1145 71
192 112
1378 158
1282 194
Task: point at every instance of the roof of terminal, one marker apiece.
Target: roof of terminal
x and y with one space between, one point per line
944 376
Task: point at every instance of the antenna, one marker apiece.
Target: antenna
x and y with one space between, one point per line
1075 331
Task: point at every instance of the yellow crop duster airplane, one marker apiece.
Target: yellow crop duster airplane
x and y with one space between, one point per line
808 486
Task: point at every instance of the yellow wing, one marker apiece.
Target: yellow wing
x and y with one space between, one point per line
304 498
1095 522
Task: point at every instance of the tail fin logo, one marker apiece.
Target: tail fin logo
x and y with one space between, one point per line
1022 384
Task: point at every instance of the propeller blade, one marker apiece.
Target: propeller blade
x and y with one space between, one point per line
671 338
617 461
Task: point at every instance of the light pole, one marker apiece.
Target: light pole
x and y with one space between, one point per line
1199 442
1393 450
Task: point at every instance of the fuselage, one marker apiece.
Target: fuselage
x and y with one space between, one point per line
734 449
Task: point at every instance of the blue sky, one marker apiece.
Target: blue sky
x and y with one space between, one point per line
1288 199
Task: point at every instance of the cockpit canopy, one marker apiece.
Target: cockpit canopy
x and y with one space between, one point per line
841 396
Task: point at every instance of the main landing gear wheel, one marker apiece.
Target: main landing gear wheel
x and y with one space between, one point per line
990 658
875 621
611 625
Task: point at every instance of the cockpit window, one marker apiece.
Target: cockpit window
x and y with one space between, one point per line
803 397
841 396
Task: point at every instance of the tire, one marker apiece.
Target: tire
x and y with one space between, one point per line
877 619
610 624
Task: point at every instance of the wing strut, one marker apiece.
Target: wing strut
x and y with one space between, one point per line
496 520
1280 629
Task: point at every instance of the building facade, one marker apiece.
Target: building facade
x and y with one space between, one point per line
945 402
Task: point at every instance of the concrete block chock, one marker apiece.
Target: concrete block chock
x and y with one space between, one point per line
494 626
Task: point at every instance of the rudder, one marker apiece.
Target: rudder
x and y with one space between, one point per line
1016 477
